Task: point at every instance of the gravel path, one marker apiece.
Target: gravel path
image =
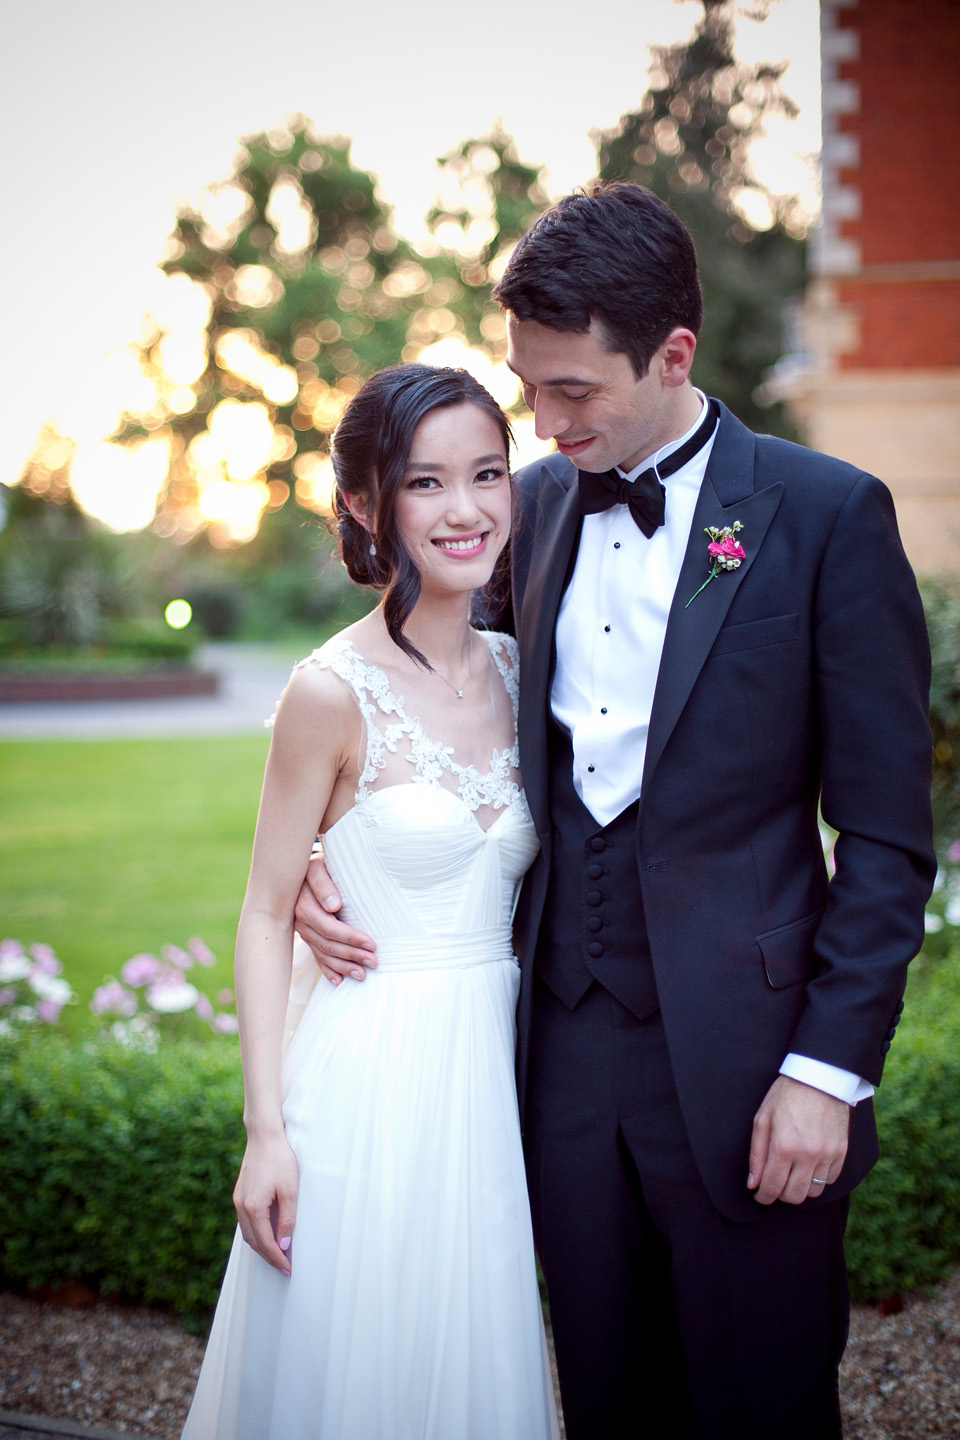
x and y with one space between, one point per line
133 1370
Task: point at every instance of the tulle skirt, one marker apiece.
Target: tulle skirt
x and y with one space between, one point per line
412 1312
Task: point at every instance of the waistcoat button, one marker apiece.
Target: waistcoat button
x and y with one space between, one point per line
596 844
594 923
594 872
594 898
595 949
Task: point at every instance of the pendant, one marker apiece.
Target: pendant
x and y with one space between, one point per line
459 694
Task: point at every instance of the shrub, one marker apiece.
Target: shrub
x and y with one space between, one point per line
61 579
904 1229
150 640
941 603
118 1166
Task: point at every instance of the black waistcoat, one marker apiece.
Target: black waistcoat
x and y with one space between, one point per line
593 926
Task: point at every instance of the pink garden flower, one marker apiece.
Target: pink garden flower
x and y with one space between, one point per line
174 955
7 996
113 999
225 1024
140 970
201 951
44 960
224 997
203 1007
49 1011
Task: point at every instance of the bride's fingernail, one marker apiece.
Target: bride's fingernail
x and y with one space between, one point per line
284 1242
357 974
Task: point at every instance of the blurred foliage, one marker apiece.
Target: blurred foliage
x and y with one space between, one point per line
689 142
904 1229
306 287
492 198
293 285
941 603
163 1138
309 290
61 578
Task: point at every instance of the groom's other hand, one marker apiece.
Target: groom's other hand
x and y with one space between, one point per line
340 951
799 1138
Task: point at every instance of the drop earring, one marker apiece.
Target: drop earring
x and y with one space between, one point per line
373 548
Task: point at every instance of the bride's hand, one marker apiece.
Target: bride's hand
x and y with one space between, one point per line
265 1197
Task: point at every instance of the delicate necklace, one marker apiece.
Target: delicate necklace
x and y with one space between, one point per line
449 683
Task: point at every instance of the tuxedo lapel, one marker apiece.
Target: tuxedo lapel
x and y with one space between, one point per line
557 530
727 494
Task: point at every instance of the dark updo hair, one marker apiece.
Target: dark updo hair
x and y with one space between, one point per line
370 449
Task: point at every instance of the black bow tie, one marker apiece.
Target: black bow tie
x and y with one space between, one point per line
644 496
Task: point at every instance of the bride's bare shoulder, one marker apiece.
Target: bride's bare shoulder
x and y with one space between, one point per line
317 700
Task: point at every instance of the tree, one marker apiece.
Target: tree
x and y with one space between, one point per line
300 288
689 141
490 197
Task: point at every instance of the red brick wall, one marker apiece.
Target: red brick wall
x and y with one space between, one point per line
903 325
908 126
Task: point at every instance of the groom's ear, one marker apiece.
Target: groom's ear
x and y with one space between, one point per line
675 357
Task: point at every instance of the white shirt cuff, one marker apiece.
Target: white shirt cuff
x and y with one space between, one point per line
842 1084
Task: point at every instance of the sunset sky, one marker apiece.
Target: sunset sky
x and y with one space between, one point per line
115 110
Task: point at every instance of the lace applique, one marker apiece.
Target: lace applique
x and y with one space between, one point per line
432 760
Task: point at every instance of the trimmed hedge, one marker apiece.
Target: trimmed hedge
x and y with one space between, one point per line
904 1229
117 1167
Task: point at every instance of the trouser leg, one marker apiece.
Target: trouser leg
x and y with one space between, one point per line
619 1356
669 1320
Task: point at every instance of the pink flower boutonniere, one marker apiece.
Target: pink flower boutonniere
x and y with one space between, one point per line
725 553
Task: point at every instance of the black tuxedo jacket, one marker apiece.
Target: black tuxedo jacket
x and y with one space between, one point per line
803 674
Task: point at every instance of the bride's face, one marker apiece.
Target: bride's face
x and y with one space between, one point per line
453 508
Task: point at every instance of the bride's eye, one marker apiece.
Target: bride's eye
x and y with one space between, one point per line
492 473
422 482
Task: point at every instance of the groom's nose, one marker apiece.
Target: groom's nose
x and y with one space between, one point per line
549 416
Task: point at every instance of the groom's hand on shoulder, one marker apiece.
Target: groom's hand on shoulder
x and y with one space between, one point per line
799 1140
339 950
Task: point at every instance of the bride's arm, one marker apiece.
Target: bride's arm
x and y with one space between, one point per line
315 728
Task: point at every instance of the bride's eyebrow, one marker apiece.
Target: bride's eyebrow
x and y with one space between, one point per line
439 465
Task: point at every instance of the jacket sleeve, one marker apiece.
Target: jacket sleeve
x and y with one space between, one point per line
872 678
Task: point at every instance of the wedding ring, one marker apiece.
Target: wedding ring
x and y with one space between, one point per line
818 1182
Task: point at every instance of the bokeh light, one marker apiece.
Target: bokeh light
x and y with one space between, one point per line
120 484
178 614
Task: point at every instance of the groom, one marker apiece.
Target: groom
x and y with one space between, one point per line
717 632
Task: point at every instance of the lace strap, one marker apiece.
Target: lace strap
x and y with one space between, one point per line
371 690
506 656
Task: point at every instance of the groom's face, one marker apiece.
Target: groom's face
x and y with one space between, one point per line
586 397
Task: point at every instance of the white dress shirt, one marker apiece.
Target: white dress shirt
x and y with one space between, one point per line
610 632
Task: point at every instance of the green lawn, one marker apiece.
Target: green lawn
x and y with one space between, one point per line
114 847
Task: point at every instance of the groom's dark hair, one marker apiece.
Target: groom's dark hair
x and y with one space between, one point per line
618 255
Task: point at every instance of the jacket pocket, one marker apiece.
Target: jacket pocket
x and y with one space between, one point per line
788 951
751 634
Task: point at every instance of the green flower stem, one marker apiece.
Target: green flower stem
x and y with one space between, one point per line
716 567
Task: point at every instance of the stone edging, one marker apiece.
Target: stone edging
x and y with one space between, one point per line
71 1429
19 689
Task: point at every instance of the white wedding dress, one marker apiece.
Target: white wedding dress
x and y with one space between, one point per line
412 1312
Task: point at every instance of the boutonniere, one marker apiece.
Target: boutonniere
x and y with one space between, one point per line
725 553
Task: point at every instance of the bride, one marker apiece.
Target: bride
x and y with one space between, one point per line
384 1287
